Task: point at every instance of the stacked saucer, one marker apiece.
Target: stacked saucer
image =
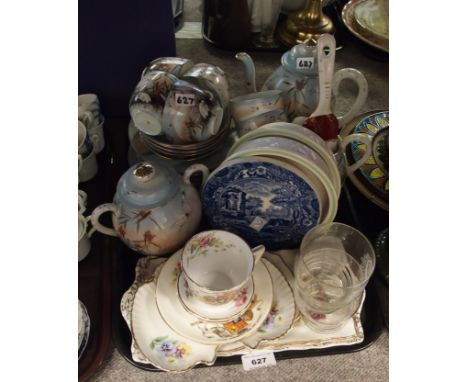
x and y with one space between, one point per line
278 176
173 330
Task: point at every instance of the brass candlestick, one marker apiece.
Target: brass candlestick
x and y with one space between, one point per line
308 23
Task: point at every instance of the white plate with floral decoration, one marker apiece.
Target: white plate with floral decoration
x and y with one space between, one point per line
162 347
210 312
301 337
282 313
192 327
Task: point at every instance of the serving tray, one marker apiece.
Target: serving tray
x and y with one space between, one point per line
123 273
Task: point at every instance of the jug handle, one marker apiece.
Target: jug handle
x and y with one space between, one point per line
198 167
98 211
363 90
363 138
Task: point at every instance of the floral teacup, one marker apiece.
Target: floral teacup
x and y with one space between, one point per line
217 265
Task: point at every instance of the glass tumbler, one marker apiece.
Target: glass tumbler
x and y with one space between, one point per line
333 268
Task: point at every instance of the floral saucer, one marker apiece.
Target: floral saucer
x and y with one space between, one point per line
84 324
156 341
209 312
301 337
192 327
282 314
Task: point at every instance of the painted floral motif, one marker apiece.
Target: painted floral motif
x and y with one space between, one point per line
201 244
231 328
316 316
172 350
273 318
176 272
242 297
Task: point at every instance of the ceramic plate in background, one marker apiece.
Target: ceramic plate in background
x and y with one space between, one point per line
371 170
348 17
372 15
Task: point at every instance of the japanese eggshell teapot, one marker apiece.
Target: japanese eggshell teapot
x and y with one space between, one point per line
297 77
155 211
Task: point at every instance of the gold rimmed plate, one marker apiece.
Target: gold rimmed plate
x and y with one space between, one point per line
202 331
156 341
363 34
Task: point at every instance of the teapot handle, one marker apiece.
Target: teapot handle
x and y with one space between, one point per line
363 90
198 167
98 211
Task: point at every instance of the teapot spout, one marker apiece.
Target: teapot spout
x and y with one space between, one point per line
249 71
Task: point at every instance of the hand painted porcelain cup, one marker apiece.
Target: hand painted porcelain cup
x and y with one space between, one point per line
148 100
155 211
176 66
217 265
84 245
191 114
253 104
213 77
94 124
255 122
87 164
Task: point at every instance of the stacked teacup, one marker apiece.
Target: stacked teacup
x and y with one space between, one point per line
90 136
89 112
84 245
180 109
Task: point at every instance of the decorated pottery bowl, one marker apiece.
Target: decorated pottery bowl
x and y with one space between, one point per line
260 201
310 172
289 145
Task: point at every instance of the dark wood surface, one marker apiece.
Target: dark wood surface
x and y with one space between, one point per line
94 272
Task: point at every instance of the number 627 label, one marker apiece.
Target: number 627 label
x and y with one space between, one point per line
304 62
254 361
182 99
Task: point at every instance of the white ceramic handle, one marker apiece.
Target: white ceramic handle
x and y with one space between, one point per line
196 168
363 90
95 140
87 118
363 138
98 211
258 252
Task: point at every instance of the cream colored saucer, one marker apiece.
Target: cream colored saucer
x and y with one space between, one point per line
282 313
215 312
157 342
192 327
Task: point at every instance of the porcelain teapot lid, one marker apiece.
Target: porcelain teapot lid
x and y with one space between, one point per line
302 58
147 184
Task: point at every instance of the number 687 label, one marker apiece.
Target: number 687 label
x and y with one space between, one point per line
182 99
254 361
